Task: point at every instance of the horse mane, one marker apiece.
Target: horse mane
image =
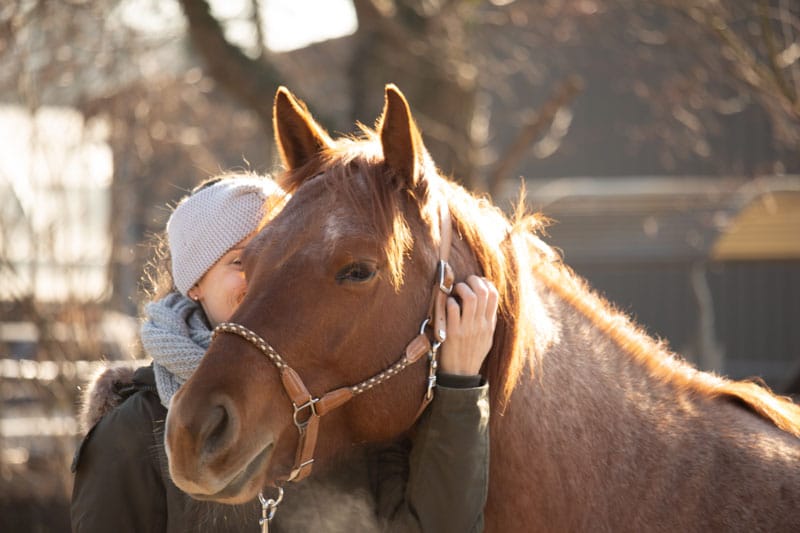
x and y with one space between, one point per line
523 253
509 252
661 363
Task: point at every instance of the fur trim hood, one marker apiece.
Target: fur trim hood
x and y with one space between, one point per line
103 392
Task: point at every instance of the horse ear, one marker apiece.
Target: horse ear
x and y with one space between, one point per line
403 150
298 136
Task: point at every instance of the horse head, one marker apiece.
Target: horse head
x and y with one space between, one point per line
339 284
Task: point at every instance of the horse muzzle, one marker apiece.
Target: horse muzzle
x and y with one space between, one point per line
207 458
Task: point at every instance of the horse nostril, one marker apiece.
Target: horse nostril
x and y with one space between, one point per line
217 429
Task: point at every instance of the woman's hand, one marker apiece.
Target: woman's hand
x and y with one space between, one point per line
470 327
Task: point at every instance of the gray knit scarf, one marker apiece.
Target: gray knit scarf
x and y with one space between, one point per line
175 333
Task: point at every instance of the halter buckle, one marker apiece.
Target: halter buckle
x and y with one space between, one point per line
441 273
310 404
433 366
296 471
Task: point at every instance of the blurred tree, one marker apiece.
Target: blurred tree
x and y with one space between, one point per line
758 45
667 85
419 44
422 45
251 80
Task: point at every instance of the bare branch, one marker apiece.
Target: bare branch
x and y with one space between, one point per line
258 22
755 65
565 93
772 51
252 82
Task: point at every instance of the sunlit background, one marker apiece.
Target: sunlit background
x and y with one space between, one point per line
59 164
662 138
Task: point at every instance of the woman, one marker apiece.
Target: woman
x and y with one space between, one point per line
121 477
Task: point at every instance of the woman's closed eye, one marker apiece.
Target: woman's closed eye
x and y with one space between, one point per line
235 261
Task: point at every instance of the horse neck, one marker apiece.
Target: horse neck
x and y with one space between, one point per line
602 376
595 419
526 271
546 310
601 414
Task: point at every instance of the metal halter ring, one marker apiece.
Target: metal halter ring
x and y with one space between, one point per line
301 424
268 508
424 325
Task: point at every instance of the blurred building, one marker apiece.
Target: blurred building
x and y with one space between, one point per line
711 264
55 177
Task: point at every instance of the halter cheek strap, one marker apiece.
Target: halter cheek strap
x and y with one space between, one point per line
308 409
437 310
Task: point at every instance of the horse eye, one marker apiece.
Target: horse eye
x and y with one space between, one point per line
356 272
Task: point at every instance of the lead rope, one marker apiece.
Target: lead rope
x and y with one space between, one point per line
268 509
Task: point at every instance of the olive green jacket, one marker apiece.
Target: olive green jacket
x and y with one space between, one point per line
435 482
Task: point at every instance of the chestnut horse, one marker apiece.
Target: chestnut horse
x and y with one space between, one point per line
595 426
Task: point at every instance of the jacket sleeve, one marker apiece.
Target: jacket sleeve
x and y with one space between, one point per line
117 483
437 481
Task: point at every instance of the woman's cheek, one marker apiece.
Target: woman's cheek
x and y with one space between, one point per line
240 292
239 299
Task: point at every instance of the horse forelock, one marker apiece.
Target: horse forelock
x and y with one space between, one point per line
352 172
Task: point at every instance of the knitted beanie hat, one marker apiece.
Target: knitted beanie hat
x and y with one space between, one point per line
209 222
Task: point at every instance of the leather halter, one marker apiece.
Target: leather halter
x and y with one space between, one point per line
308 409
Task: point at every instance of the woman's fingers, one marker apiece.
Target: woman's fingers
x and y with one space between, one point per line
453 314
468 302
490 313
479 299
479 286
470 326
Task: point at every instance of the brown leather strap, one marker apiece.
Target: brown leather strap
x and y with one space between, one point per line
445 231
307 423
304 456
437 310
333 399
444 277
419 346
294 386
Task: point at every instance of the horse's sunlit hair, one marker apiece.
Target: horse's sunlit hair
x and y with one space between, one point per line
506 249
503 247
